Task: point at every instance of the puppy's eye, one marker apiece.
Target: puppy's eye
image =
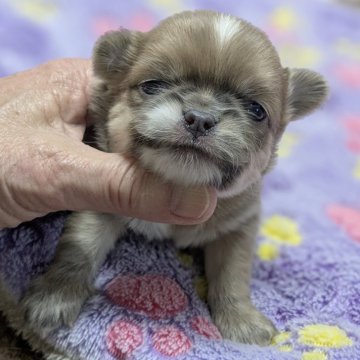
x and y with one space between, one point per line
257 112
153 87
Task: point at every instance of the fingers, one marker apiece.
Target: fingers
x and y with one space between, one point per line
141 194
112 183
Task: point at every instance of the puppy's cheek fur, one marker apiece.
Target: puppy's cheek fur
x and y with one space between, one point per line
184 170
119 128
252 173
161 121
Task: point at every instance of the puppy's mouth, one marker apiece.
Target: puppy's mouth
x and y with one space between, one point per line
190 151
190 146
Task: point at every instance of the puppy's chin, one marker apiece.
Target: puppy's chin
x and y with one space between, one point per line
188 165
182 166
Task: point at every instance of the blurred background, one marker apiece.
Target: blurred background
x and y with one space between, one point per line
317 34
322 35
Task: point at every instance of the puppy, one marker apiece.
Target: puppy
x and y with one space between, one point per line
202 99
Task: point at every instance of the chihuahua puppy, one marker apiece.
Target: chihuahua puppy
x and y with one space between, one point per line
202 99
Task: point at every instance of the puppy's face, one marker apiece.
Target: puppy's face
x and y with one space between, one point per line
201 99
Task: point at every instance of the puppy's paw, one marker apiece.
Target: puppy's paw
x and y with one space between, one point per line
244 324
48 306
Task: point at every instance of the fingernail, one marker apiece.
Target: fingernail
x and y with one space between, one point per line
190 203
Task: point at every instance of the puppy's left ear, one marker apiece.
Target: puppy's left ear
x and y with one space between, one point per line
115 52
307 90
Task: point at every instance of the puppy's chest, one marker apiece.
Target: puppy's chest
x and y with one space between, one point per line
183 236
151 230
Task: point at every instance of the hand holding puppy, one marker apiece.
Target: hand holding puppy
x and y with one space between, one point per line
45 167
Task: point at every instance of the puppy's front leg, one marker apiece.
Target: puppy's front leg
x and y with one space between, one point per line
228 270
56 297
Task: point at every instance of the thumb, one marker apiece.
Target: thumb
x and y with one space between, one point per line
113 183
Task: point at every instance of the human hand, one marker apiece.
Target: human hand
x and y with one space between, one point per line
45 167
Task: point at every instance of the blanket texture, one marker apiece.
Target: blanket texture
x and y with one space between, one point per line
151 298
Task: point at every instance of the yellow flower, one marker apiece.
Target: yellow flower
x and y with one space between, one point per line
285 348
348 48
281 229
268 251
284 18
286 144
300 56
36 10
185 259
356 171
313 355
324 335
281 338
201 287
170 5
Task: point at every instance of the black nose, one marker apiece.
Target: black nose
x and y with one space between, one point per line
198 122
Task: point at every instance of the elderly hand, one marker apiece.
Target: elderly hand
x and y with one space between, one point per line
45 167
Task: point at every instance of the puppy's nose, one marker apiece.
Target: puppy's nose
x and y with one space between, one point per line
198 122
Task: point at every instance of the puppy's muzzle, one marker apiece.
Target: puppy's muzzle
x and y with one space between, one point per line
198 123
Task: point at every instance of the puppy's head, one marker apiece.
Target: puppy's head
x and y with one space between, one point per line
200 99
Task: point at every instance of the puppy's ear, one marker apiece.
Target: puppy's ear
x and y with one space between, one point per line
115 52
307 90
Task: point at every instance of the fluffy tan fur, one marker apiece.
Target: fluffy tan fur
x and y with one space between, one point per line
208 62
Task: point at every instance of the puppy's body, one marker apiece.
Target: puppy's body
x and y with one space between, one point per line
200 100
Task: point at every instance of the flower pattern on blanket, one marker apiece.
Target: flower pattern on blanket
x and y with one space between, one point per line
347 218
321 335
318 336
171 341
122 338
281 231
153 295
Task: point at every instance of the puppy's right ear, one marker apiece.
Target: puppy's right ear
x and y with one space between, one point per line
307 90
115 52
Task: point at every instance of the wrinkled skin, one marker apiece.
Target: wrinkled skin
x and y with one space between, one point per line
45 167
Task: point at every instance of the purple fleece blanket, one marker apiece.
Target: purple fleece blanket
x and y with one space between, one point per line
306 275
